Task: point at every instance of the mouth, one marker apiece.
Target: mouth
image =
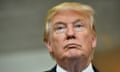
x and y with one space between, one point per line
72 46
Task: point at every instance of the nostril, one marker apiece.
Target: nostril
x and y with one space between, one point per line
71 37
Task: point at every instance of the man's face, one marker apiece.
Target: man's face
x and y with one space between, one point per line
71 36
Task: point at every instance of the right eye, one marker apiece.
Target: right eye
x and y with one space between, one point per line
60 28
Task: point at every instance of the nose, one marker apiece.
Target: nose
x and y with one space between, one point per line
70 32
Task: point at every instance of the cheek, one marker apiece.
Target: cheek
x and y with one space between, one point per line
57 48
57 39
57 43
86 41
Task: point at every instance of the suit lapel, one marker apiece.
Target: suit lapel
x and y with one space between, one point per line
52 70
95 70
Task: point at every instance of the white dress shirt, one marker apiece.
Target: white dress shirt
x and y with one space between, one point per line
88 69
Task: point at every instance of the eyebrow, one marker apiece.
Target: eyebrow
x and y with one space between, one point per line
59 22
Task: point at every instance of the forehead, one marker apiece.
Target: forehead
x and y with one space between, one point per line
69 16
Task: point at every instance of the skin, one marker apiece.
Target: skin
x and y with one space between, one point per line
71 40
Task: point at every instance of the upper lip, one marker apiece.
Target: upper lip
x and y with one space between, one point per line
72 45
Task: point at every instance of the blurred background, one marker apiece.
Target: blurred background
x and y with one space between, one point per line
21 31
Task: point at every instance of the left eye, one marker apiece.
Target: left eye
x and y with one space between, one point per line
78 25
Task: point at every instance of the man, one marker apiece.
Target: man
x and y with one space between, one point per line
70 37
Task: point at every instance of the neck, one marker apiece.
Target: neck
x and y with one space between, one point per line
74 65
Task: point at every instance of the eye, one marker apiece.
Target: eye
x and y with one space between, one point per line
60 28
78 26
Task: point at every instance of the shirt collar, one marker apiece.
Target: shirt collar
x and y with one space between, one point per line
88 69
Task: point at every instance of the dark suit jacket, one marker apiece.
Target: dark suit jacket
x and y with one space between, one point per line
54 69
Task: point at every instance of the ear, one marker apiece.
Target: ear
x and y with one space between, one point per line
48 44
94 40
94 37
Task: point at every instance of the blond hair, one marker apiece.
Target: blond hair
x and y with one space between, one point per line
67 6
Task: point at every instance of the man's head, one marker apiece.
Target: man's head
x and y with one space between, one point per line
69 32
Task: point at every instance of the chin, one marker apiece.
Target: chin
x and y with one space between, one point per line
73 54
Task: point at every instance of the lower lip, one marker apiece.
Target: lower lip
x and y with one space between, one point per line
71 47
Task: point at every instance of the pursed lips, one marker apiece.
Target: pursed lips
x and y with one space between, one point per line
72 45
